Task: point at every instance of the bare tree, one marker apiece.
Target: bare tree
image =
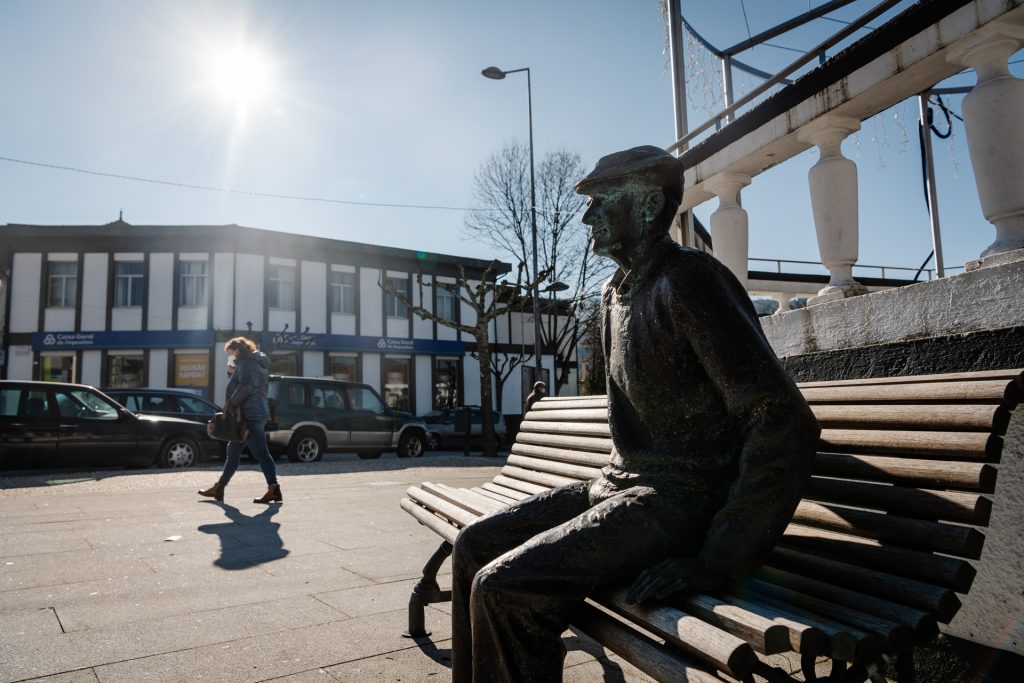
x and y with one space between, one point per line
482 297
502 193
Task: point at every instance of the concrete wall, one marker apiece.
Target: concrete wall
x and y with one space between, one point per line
971 321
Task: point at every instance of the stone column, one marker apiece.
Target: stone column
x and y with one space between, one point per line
730 233
833 184
993 115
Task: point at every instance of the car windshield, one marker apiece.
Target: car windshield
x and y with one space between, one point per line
83 404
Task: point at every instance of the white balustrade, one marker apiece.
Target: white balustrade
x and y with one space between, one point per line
833 186
730 232
993 115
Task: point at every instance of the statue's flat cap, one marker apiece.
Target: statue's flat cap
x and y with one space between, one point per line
648 161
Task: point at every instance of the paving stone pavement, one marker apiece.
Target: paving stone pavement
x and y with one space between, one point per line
129 576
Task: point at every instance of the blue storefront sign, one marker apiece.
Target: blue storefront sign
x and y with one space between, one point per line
360 344
121 339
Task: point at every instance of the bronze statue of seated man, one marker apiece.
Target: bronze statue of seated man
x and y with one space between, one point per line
712 445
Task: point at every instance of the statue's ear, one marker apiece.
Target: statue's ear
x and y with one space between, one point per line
652 204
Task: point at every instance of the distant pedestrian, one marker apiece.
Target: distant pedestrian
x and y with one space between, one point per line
540 390
249 370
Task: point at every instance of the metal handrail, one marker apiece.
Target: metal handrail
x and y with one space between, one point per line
778 266
841 35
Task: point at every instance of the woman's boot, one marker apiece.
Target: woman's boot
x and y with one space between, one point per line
216 492
273 495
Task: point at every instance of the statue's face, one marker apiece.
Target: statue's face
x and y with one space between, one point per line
610 217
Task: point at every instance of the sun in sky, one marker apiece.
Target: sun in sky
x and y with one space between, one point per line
241 75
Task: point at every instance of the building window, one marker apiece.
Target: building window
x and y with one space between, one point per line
344 366
125 371
393 307
193 283
397 382
447 372
446 302
281 288
343 292
284 363
63 283
128 283
57 368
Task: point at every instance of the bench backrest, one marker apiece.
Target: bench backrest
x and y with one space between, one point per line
894 507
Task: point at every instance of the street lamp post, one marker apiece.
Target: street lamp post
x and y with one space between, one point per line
497 74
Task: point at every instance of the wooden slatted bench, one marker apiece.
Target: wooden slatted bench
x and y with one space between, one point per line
870 565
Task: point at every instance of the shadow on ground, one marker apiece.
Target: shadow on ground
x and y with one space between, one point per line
260 534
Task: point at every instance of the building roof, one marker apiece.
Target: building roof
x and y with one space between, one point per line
120 236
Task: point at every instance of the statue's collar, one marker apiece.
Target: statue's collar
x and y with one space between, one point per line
627 282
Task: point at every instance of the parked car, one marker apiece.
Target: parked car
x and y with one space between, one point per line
44 423
310 416
445 430
165 402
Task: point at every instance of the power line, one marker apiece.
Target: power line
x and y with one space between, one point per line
743 6
227 190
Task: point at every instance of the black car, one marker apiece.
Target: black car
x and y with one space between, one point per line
44 423
165 402
446 429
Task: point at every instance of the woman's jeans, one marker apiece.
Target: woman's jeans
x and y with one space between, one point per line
257 443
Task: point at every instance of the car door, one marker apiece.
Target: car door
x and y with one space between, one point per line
372 424
92 429
329 410
28 426
195 408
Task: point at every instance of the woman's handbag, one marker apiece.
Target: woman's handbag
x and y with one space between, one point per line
227 426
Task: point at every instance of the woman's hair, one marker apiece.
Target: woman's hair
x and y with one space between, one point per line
243 346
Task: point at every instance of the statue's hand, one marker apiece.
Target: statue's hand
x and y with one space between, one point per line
674 575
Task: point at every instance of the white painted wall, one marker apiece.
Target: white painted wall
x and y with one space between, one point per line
26 272
59 319
314 297
223 291
193 317
424 384
161 284
122 318
371 370
312 363
371 304
94 292
92 367
342 323
249 285
471 380
19 362
421 328
157 368
277 319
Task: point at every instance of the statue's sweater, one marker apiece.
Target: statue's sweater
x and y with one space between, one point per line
700 407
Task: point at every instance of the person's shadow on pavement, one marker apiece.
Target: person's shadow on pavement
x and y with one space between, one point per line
247 541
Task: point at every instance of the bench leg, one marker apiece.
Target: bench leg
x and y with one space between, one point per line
427 591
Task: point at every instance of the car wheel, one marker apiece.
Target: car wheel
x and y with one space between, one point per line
411 445
368 455
306 446
433 442
179 451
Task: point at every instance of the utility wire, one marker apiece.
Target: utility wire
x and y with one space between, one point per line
208 188
743 6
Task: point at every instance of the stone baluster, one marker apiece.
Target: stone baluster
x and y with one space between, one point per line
833 185
730 233
993 112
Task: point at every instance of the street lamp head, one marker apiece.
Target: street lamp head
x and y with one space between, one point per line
556 287
493 72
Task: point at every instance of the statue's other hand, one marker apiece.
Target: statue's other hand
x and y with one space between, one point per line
674 575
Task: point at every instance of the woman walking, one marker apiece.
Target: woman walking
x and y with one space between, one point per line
247 392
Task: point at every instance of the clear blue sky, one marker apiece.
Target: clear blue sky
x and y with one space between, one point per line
384 102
